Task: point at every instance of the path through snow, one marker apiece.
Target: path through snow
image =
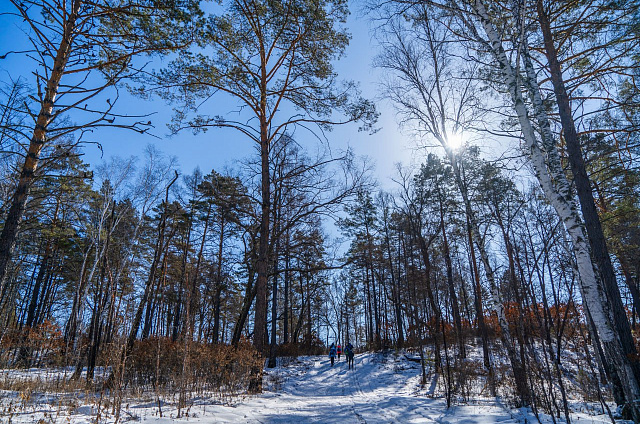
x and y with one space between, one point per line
309 390
381 389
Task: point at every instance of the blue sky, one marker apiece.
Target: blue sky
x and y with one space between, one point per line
221 147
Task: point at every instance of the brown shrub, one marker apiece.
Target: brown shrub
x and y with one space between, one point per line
38 346
161 363
307 347
466 375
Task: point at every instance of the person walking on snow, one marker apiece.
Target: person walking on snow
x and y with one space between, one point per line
332 353
339 349
348 352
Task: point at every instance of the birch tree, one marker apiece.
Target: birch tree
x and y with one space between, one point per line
486 27
603 266
546 163
439 104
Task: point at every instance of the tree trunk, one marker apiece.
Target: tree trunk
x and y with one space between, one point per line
368 306
24 356
436 329
260 320
274 292
135 325
260 312
308 309
631 284
192 305
394 289
286 292
518 367
557 190
249 295
38 140
218 289
452 291
97 325
477 295
593 226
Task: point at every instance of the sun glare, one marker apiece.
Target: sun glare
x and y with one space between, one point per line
455 140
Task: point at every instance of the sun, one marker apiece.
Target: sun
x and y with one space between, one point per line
455 140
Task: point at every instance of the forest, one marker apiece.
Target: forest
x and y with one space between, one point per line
505 260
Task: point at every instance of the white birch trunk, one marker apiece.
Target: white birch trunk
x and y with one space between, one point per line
556 188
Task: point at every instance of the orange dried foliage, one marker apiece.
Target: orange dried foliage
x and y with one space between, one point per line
45 341
207 367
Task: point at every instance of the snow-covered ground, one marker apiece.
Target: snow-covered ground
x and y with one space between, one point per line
381 389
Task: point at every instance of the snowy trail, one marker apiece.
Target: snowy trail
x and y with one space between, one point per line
326 394
377 391
381 389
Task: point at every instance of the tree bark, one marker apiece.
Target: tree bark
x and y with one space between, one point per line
452 291
557 190
602 261
38 140
135 325
260 319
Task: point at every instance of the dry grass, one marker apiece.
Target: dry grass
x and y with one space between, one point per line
159 372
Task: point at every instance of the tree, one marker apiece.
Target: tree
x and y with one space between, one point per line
159 246
386 221
615 187
223 198
61 202
497 29
274 59
546 161
439 103
434 181
80 50
362 225
595 234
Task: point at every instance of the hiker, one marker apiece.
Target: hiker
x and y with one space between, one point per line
339 349
348 352
332 353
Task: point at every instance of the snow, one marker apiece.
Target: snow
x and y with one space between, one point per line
381 389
